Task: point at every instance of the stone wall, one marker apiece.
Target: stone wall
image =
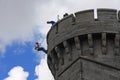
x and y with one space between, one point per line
81 47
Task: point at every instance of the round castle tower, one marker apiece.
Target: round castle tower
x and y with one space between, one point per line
81 47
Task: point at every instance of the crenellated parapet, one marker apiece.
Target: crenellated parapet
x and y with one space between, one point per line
81 23
80 40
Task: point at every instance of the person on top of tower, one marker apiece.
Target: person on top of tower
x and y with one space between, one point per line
38 48
65 15
51 22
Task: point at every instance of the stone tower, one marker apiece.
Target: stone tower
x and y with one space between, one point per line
81 47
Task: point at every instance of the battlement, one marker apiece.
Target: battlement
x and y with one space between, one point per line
107 14
81 38
84 16
83 20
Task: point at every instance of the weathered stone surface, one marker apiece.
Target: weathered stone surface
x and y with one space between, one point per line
82 48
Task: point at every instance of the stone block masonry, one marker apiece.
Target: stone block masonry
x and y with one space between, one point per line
81 47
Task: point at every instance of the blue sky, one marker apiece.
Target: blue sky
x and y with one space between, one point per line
22 23
19 55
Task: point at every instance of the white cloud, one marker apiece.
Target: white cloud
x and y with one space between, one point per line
17 21
42 71
17 73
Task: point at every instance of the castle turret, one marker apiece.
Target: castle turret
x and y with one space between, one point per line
81 47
